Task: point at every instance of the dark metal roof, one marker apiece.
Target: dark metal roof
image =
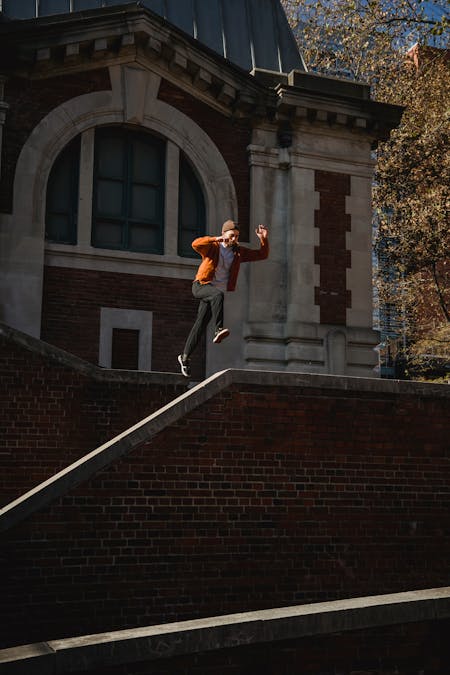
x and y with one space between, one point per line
249 33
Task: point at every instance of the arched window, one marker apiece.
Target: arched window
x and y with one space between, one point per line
128 196
62 196
191 209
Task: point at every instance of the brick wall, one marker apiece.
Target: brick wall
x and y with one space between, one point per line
331 254
29 102
264 496
50 415
71 312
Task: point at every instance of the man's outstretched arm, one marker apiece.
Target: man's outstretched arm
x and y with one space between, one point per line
250 254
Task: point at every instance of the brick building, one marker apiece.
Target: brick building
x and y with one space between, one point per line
127 130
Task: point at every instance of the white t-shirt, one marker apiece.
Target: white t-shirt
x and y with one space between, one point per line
226 256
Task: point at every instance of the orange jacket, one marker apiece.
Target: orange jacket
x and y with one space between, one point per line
209 249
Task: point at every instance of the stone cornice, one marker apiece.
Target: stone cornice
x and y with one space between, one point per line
337 107
52 46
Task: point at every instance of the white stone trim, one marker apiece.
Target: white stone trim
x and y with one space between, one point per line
126 262
131 319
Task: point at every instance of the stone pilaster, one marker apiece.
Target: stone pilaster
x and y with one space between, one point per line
270 205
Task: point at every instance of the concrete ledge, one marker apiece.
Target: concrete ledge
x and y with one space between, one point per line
164 641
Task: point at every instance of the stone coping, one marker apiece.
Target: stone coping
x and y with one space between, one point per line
147 428
151 643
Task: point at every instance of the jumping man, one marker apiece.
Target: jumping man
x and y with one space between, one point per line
217 273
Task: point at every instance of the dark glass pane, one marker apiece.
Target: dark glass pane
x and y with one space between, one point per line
59 185
58 228
110 156
108 235
189 205
62 195
145 238
144 203
191 210
109 198
185 240
146 163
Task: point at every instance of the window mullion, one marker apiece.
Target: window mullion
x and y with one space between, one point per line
85 197
171 198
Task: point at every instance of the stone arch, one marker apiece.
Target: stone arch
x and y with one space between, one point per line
73 117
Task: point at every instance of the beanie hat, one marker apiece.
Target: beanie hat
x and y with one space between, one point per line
229 225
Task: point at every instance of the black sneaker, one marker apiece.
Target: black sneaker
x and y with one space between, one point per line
185 367
220 334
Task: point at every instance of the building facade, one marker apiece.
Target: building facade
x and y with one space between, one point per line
128 130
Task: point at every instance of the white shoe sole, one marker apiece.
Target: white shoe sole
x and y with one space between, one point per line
221 336
184 369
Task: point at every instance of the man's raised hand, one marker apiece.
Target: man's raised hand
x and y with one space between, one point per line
261 232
